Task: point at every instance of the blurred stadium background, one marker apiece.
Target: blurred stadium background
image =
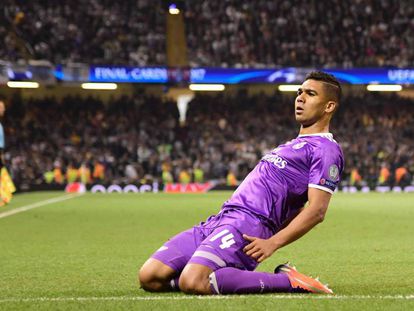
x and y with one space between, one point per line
186 96
152 127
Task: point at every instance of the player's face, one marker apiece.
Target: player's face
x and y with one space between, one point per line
2 108
310 102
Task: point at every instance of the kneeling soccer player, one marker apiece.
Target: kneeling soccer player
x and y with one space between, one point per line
264 214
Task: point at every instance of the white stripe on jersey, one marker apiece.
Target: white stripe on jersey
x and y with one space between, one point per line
320 188
214 258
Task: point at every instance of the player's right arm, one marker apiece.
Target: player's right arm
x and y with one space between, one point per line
325 167
313 214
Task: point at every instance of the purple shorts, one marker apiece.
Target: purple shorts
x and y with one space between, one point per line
216 243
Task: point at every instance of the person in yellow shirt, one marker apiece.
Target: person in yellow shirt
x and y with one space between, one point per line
6 184
167 177
48 176
71 173
198 175
231 179
84 174
184 176
384 175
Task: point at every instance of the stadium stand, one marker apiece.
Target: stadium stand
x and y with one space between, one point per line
95 32
262 33
87 132
140 138
230 33
134 138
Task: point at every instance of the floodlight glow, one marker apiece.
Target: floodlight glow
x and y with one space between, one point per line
289 87
23 84
173 10
99 86
207 87
384 87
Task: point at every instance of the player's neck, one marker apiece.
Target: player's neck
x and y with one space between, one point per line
314 129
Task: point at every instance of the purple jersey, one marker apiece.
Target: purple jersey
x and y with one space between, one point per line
278 186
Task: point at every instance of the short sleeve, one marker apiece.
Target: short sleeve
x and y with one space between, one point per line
326 168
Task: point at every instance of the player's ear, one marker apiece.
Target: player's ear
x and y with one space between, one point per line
331 106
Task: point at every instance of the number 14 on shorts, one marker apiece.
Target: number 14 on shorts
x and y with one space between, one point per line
227 239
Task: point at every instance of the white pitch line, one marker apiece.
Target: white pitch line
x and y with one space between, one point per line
38 204
229 297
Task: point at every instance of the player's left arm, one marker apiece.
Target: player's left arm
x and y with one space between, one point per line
309 217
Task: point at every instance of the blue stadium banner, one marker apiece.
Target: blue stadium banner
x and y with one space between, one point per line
296 75
164 75
374 75
236 76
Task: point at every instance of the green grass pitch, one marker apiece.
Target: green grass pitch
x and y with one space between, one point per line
84 253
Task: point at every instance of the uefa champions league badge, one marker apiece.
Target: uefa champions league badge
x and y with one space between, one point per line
333 172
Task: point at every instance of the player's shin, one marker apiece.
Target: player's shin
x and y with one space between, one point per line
236 281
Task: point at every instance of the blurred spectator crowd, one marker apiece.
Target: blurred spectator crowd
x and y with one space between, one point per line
337 33
89 31
226 33
139 139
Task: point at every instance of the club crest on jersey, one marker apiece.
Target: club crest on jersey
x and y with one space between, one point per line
299 145
333 172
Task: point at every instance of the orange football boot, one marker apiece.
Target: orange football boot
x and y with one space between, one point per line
301 282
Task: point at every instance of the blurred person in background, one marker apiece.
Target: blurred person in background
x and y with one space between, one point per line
6 184
2 140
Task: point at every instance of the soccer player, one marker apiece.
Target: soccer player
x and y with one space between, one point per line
265 213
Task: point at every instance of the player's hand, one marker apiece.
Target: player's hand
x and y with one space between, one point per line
258 249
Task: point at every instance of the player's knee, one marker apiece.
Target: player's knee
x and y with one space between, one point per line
194 284
155 276
145 278
148 280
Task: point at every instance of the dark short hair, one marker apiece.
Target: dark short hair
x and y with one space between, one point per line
332 84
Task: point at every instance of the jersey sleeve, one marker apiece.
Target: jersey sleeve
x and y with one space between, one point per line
326 168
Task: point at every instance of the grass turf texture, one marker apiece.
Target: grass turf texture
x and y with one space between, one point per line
92 246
